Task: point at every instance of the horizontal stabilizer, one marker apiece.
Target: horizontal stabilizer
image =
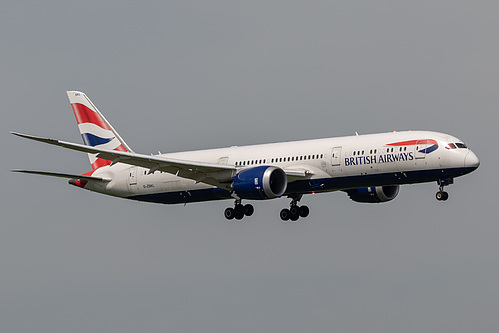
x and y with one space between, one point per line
62 175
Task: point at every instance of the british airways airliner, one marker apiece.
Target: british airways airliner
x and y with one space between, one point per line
369 168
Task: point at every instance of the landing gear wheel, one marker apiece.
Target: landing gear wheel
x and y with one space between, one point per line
248 210
229 213
304 211
285 214
294 212
239 211
442 196
294 217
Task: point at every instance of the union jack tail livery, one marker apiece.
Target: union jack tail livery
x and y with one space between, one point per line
95 130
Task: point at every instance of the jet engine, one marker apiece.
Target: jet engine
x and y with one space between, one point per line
262 182
374 194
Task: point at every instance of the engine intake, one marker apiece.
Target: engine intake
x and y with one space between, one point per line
374 194
262 182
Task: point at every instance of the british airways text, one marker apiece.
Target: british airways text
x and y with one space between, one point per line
373 159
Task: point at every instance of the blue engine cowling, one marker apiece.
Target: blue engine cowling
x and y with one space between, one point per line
374 194
262 182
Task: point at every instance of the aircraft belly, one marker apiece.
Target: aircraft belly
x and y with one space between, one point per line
189 196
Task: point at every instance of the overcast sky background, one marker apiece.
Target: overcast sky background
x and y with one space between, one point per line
185 75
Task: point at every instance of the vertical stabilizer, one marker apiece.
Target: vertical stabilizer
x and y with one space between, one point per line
95 130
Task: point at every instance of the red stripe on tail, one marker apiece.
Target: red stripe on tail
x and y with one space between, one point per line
85 115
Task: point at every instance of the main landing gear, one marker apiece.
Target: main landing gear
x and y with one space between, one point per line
239 211
441 194
294 212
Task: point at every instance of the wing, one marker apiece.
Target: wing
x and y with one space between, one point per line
62 175
214 174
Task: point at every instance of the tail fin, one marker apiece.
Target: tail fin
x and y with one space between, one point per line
95 130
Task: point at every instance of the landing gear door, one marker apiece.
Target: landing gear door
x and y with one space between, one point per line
336 156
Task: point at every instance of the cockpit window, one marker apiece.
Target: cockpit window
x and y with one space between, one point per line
455 145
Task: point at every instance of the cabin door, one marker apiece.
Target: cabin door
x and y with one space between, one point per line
336 156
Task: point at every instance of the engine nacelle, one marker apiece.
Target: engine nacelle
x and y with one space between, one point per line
374 194
262 182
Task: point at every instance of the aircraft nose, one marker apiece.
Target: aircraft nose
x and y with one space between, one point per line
471 161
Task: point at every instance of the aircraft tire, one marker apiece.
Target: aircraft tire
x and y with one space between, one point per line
249 210
285 214
442 195
304 211
239 209
229 213
294 217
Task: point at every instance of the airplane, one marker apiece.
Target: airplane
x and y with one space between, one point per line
369 168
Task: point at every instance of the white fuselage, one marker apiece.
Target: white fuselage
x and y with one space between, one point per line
320 165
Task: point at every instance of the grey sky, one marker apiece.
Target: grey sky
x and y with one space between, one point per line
175 76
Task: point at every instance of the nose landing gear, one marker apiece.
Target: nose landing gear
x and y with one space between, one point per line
294 212
441 194
239 211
